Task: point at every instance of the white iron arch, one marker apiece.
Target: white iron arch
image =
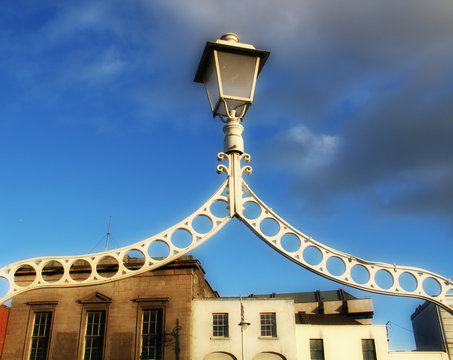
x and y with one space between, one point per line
232 195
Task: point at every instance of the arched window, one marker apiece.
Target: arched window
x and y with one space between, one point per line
268 356
219 356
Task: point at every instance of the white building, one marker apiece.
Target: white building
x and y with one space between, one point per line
330 325
334 325
216 334
352 342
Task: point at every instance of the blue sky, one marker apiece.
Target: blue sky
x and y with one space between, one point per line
350 132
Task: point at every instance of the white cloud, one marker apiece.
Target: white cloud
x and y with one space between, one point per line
70 20
104 67
305 150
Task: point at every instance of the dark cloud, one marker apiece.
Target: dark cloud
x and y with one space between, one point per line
347 51
377 77
396 152
365 89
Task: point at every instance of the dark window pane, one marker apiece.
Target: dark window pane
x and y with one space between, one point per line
152 334
368 349
94 337
40 336
316 349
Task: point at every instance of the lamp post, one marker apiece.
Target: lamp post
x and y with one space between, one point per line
243 324
229 70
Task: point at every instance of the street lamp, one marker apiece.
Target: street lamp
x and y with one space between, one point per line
229 70
243 324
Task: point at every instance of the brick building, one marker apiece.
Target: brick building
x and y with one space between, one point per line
4 313
146 316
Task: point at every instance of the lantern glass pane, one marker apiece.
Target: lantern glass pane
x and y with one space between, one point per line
237 73
212 84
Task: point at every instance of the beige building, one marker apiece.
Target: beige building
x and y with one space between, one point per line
146 316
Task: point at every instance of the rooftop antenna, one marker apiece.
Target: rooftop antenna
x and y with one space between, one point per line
108 234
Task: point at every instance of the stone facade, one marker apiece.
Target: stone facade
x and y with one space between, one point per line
170 288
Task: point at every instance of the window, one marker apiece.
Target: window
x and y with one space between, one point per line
268 324
94 336
93 325
151 338
368 349
40 336
152 334
220 325
316 349
39 329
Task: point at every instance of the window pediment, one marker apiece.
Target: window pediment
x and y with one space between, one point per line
95 298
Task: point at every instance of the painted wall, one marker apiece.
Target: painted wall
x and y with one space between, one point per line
345 342
341 341
203 342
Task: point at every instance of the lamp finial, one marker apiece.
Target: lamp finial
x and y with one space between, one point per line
232 37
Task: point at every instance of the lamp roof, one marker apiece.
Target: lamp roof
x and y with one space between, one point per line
228 43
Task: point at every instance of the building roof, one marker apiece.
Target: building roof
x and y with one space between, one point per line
312 296
325 319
